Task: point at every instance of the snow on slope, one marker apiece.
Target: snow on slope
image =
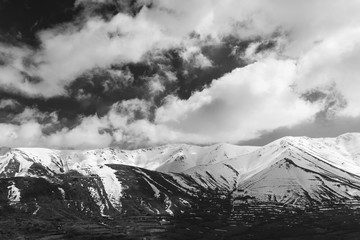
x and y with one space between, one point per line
227 173
46 157
189 156
286 169
300 178
110 182
170 158
17 162
14 194
289 169
349 145
40 162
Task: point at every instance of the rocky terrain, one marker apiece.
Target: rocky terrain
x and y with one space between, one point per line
292 188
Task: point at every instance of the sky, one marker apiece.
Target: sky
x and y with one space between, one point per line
81 74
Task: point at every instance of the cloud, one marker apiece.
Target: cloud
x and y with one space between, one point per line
232 108
331 128
334 60
12 77
332 100
236 70
27 134
240 104
69 52
88 134
98 44
8 103
194 56
125 125
31 134
71 49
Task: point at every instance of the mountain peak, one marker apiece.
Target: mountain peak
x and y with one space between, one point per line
349 137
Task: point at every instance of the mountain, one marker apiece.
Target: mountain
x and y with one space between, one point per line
169 158
178 180
108 182
291 170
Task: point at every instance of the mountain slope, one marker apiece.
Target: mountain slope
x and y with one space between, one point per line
291 170
169 158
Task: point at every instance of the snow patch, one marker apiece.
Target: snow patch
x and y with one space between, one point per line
62 191
37 208
98 200
168 205
14 194
155 189
111 184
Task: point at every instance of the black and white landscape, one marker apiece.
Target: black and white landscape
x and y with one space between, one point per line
179 119
293 188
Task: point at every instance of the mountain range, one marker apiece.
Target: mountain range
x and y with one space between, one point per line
179 179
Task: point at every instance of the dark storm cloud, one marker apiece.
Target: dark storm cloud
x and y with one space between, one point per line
97 90
266 46
20 20
224 57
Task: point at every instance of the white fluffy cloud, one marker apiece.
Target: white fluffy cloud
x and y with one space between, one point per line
26 134
30 134
119 127
239 105
320 46
89 134
68 53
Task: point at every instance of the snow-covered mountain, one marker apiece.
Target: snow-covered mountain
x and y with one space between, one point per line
169 158
108 181
175 178
291 170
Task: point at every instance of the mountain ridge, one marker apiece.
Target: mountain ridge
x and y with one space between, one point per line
301 169
179 182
